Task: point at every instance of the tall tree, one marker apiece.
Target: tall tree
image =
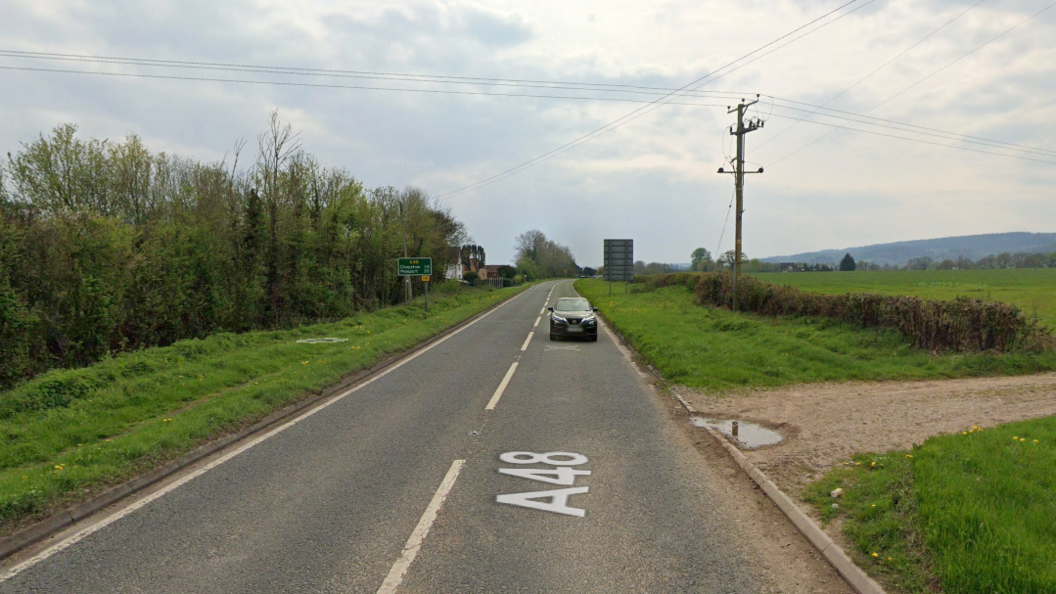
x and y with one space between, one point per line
700 260
848 264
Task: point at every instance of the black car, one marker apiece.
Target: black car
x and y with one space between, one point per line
573 317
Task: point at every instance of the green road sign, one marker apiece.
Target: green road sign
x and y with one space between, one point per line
415 266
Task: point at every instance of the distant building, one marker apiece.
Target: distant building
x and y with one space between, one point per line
488 272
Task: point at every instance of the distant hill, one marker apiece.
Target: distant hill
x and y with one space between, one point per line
973 247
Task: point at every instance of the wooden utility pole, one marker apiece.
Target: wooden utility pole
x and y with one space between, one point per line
738 175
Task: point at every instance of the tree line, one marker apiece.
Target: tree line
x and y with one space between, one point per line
108 246
540 257
701 261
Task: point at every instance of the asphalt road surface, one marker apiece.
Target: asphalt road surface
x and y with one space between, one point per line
397 488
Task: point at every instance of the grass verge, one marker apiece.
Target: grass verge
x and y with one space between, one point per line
68 434
964 514
716 349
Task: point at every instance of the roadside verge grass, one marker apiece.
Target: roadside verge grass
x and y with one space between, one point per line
967 513
715 349
70 433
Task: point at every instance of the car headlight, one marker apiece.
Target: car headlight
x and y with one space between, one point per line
558 319
589 320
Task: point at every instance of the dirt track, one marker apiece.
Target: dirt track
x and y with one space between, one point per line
824 424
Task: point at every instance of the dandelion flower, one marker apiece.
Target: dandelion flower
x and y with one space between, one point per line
1015 437
872 464
876 555
909 455
1022 439
1035 442
964 433
890 559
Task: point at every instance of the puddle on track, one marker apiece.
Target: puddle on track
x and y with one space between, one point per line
749 435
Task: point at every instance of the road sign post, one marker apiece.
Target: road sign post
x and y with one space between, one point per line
619 261
408 267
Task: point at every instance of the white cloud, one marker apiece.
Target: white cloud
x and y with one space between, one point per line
653 179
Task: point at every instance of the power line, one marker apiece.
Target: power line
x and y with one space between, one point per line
645 109
937 134
330 86
853 117
867 76
444 79
991 40
960 148
718 248
861 117
358 74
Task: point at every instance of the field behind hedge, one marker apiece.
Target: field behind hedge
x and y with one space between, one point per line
1032 289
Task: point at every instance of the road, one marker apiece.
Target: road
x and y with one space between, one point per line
345 499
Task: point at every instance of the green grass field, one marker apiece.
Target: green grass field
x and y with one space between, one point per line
68 432
716 349
973 512
1032 289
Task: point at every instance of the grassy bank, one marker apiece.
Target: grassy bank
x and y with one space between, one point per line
715 349
969 513
1032 289
71 432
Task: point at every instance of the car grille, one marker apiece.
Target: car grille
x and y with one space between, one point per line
574 321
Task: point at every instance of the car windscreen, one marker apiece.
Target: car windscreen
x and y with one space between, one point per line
572 305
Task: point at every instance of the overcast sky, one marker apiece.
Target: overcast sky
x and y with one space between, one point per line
653 179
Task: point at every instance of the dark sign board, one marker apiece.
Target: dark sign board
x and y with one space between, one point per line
414 266
619 260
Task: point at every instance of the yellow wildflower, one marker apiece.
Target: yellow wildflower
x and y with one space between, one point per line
875 555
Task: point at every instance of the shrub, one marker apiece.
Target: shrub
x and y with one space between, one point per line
960 324
653 282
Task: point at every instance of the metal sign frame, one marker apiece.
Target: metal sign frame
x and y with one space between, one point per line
619 260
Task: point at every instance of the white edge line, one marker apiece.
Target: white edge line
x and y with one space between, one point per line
414 543
524 347
502 388
104 522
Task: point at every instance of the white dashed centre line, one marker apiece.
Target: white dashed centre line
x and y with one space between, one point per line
524 347
502 388
414 543
536 324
